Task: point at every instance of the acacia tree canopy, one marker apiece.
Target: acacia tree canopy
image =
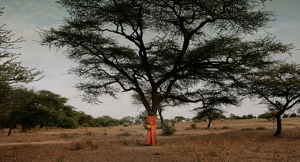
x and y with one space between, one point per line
10 70
174 46
277 87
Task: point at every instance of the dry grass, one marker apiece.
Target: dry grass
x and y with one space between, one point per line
237 140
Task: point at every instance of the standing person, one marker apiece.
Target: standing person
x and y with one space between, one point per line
151 134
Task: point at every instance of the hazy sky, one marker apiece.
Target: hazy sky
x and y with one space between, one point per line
26 17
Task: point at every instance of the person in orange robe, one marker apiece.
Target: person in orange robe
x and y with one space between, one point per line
151 134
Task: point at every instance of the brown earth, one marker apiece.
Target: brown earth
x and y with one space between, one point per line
237 140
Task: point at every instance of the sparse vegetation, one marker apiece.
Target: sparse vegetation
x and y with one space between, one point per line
216 144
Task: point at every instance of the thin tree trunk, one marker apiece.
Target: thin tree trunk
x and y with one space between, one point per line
279 126
208 126
162 121
12 124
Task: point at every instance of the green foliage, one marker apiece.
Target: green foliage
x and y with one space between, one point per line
106 121
85 125
84 118
11 71
179 118
169 130
267 115
209 114
127 120
184 46
285 116
69 122
277 87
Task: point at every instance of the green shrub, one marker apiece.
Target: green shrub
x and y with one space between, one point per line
169 130
85 125
261 128
125 134
193 126
65 136
89 133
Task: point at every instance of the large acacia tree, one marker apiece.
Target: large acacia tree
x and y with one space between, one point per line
172 46
278 87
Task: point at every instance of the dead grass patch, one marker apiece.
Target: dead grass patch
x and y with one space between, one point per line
104 144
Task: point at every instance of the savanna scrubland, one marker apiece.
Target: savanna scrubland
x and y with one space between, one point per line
236 140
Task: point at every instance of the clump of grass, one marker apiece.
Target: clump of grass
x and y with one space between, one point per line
65 136
78 146
247 129
61 158
261 128
225 127
125 134
85 144
125 125
91 144
105 133
89 133
124 141
193 126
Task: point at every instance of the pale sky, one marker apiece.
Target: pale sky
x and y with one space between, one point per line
25 17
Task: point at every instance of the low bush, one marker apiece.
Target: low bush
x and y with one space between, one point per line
169 130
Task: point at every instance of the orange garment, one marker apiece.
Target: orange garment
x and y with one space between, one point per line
151 134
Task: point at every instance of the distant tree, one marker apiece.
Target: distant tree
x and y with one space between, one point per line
107 121
179 118
85 119
50 108
293 115
70 118
232 116
278 87
212 99
24 103
174 46
285 116
267 115
127 120
210 114
238 117
250 116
